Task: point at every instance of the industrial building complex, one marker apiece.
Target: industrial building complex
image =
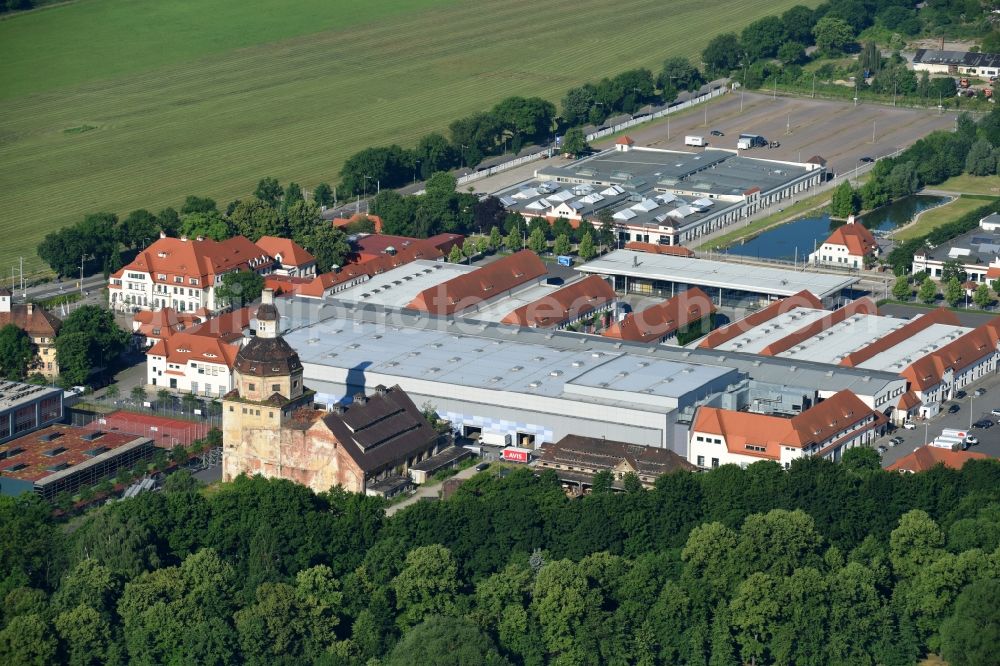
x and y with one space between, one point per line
662 196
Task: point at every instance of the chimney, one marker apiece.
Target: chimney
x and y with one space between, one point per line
184 239
163 234
381 389
31 309
850 219
337 408
267 296
200 238
360 399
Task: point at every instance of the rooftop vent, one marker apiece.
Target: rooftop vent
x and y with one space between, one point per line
360 399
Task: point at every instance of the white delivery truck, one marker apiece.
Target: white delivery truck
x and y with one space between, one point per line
744 144
698 141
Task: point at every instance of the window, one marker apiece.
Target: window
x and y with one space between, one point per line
251 386
701 461
275 388
755 447
699 438
715 463
178 279
231 408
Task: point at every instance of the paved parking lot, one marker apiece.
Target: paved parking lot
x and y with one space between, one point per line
977 408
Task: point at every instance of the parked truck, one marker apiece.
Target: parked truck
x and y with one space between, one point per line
697 141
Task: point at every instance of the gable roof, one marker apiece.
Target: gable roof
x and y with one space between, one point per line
469 289
290 252
382 431
656 248
571 301
184 347
926 457
162 323
861 306
956 355
662 319
201 259
941 315
602 454
803 299
858 240
624 140
817 424
228 325
33 319
908 401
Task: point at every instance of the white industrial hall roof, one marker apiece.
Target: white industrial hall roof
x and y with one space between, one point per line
717 274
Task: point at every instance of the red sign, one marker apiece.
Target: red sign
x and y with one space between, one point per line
512 454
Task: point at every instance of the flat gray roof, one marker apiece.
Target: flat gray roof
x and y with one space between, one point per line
321 326
757 338
16 394
916 346
719 172
718 274
976 247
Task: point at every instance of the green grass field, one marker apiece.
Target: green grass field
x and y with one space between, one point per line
935 217
116 105
989 185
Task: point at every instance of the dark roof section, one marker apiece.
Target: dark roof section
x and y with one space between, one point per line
267 312
603 454
382 430
267 357
32 319
963 58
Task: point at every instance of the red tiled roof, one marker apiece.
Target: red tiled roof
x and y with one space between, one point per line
928 456
69 438
855 237
200 259
957 355
657 321
33 319
228 326
290 252
908 401
656 248
905 332
993 272
376 245
860 306
818 424
624 140
162 323
184 347
803 299
570 302
469 289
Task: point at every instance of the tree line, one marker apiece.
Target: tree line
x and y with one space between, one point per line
512 124
97 241
824 563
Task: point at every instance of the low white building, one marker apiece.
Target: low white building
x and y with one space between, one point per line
191 363
976 252
937 61
722 436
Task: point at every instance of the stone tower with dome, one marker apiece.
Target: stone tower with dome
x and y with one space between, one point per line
268 390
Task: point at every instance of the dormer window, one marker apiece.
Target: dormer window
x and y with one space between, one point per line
178 279
161 276
194 280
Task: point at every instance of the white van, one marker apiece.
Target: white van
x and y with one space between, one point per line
698 141
744 144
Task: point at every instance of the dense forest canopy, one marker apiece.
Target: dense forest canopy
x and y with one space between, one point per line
823 564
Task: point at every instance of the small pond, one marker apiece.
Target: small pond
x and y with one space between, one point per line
805 234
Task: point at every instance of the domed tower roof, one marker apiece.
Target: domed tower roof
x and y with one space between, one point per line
267 357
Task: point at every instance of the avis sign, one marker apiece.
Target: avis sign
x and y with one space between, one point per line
513 454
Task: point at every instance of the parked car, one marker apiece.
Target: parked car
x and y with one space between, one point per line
979 392
867 160
717 133
982 423
482 466
895 441
960 394
995 412
882 450
971 440
909 425
954 409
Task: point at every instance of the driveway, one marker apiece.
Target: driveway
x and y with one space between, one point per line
428 491
977 408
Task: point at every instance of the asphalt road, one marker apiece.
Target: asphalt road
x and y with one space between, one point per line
978 408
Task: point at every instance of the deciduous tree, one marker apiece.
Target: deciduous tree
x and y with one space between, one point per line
832 34
928 291
17 353
239 288
426 586
574 142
